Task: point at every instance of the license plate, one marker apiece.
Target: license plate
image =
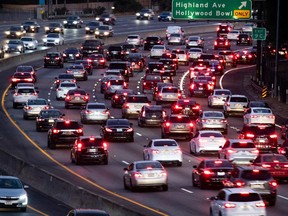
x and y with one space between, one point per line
262 141
8 202
119 130
68 132
51 120
92 150
180 126
200 88
150 174
77 98
221 173
257 186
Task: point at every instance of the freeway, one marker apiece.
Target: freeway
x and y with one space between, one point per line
181 199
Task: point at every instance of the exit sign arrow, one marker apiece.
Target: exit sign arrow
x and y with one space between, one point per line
243 4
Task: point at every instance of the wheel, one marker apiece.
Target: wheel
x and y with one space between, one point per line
106 96
45 66
272 202
195 151
226 114
66 106
202 185
51 144
14 106
225 131
190 150
25 117
165 187
179 164
61 66
38 129
125 185
105 162
23 209
132 188
78 160
193 181
131 139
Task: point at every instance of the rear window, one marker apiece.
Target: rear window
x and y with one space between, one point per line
148 165
115 48
156 66
67 125
22 75
96 106
179 51
118 122
243 145
136 99
152 38
265 111
117 66
213 114
260 130
179 119
165 143
37 102
26 91
92 142
239 99
77 92
273 158
92 43
222 92
132 37
154 78
211 134
50 113
24 69
169 90
218 163
67 85
116 82
256 174
66 76
244 197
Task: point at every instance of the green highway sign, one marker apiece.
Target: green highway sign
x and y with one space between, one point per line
259 33
211 9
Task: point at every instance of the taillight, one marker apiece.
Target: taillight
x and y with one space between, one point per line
79 147
105 112
163 174
86 97
55 131
138 175
87 112
108 130
191 124
144 113
79 130
260 205
249 135
231 151
229 205
15 80
155 151
192 86
282 150
196 107
68 97
167 124
28 107
129 129
208 172
105 145
256 151
179 95
177 107
239 183
266 165
215 43
126 105
178 151
273 136
273 184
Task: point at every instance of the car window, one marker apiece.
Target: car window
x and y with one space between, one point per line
10 183
220 163
243 145
165 143
46 113
117 122
137 99
179 119
273 158
96 106
154 78
92 142
211 134
169 90
239 99
148 165
244 197
264 111
213 114
67 85
256 174
37 102
67 125
25 91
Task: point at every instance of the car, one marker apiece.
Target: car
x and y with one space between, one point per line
137 61
174 29
223 30
62 77
165 16
129 48
206 141
107 18
239 151
15 32
87 64
170 67
21 77
23 94
247 27
30 43
212 120
13 193
176 38
149 82
104 31
186 106
145 13
133 105
73 22
19 85
259 115
216 67
172 56
115 52
166 151
245 57
158 87
64 132
98 60
168 95
207 77
217 97
134 39
245 39
119 98
283 148
200 87
154 68
90 46
31 26
33 107
14 46
94 112
229 57
53 59
92 26
27 68
76 97
222 43
46 118
150 41
235 105
53 39
177 126
256 178
149 174
263 136
194 54
277 164
71 54
114 84
233 201
284 129
78 71
113 73
63 88
117 129
157 51
210 172
124 67
195 41
151 116
182 56
54 27
233 35
91 212
257 103
2 52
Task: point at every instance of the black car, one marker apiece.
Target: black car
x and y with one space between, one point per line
129 48
87 65
151 116
115 52
170 66
15 32
98 60
73 21
71 54
118 129
222 43
245 57
118 99
90 212
244 38
223 30
107 18
92 26
145 13
89 149
53 59
150 41
21 77
27 68
165 16
54 27
76 97
64 77
187 107
211 172
216 67
124 67
263 136
46 119
31 26
200 88
137 61
155 68
91 46
64 132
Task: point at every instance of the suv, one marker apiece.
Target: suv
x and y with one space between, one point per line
64 132
200 87
76 97
145 14
89 149
155 68
170 66
53 59
91 46
23 94
256 178
235 104
186 107
229 56
244 38
223 30
124 67
151 115
263 136
177 125
150 41
115 52
113 85
223 43
168 94
133 105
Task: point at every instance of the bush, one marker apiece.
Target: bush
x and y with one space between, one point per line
122 6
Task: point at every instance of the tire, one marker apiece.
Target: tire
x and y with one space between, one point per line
179 164
106 97
226 114
191 152
201 184
38 129
105 162
14 106
165 187
124 184
78 161
272 202
23 209
132 188
131 139
25 117
66 106
195 152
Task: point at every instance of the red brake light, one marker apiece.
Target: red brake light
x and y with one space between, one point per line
239 183
207 172
249 135
218 162
138 175
79 130
167 124
108 130
79 147
273 136
260 204
273 184
129 129
55 131
266 165
155 151
105 145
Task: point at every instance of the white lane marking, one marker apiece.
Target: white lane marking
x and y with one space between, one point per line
139 134
191 192
49 93
125 162
286 198
51 87
182 80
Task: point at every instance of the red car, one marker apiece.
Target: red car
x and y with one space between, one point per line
222 42
21 77
149 82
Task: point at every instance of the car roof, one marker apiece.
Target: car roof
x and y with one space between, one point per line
239 140
239 190
209 131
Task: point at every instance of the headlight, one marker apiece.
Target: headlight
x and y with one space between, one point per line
18 33
65 21
46 28
169 17
32 27
24 199
87 28
57 40
137 14
6 46
97 32
74 22
45 39
106 19
19 47
97 18
106 33
146 14
7 32
158 16
57 29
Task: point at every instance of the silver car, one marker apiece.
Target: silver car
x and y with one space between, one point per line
33 107
195 41
30 42
235 105
145 174
176 38
14 46
168 94
133 105
95 112
194 53
23 94
216 99
13 193
134 39
78 71
104 31
212 120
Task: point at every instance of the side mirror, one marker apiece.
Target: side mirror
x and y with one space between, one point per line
194 166
125 169
213 198
26 187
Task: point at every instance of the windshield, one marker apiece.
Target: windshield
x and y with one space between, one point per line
10 183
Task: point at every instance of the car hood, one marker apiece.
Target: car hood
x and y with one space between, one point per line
6 192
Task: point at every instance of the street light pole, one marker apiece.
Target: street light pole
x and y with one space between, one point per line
277 50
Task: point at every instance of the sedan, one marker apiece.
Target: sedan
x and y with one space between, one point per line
14 46
245 57
78 71
222 42
212 120
92 26
71 54
46 119
164 151
149 82
104 31
33 107
54 27
15 32
195 41
194 53
145 174
30 43
53 39
21 77
157 51
63 88
176 38
165 16
259 115
217 97
233 35
95 112
31 26
134 39
206 141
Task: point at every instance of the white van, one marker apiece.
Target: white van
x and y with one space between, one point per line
174 29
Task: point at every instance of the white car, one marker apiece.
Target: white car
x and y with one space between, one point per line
134 39
53 39
206 141
33 107
248 27
195 41
113 73
194 53
174 29
23 94
237 201
157 51
216 99
233 35
164 151
63 88
104 31
30 43
235 105
181 55
239 151
176 38
259 115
